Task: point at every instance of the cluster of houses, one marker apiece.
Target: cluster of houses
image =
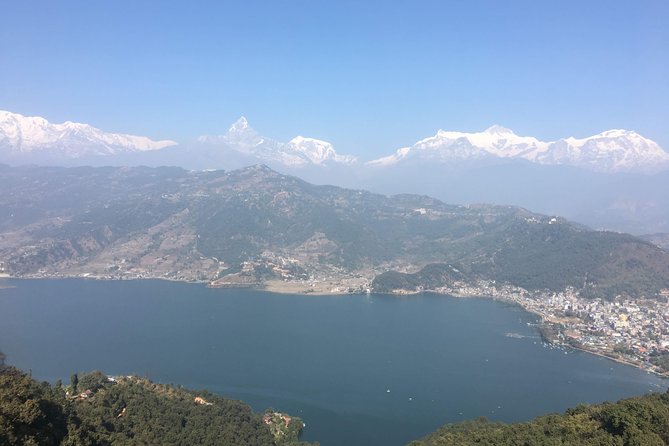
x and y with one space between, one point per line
632 330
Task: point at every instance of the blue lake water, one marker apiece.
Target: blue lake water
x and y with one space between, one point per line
360 370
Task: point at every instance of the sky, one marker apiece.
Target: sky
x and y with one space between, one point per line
368 76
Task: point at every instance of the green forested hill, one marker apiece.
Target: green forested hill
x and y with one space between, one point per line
129 411
553 257
641 421
184 225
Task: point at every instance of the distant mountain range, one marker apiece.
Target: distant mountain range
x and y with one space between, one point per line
247 226
615 180
611 151
23 135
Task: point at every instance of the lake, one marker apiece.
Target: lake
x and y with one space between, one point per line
360 370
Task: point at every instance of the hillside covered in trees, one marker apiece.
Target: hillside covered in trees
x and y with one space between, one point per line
253 225
640 421
97 410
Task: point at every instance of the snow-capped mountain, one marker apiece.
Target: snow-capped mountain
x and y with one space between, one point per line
316 151
610 151
35 140
25 135
243 138
298 152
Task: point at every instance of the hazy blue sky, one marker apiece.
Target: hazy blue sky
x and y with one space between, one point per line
368 76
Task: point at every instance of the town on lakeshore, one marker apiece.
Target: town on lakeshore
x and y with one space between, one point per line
635 332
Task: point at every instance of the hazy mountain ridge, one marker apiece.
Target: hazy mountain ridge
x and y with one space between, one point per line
661 240
253 224
622 201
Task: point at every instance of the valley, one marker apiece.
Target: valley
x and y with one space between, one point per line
377 219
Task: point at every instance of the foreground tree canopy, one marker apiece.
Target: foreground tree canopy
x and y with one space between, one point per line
128 410
641 421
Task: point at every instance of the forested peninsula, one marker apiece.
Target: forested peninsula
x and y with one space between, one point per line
95 409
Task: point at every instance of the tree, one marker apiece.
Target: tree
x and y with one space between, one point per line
93 381
74 381
28 414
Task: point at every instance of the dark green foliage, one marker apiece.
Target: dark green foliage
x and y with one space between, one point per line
553 257
156 414
641 421
556 256
661 360
430 277
74 382
29 413
129 411
91 381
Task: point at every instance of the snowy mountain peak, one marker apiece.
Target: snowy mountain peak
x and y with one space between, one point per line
617 133
298 152
610 151
34 139
32 134
239 125
240 133
242 137
498 130
316 151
